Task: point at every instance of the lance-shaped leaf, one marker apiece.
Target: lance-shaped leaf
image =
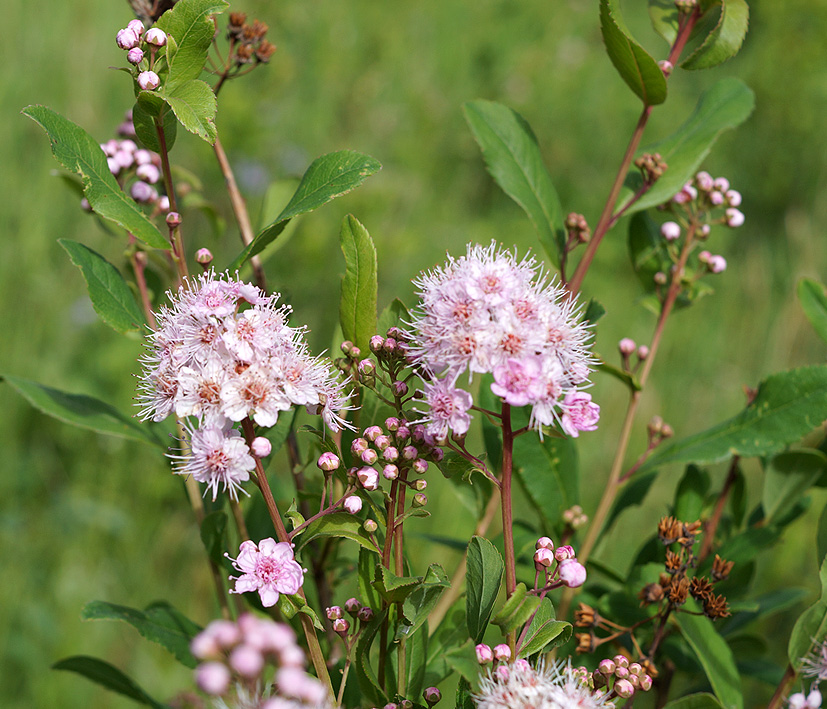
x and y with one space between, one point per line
634 64
328 177
715 657
723 107
419 604
81 410
191 25
813 297
787 405
77 151
159 622
543 630
144 123
106 675
368 681
517 610
337 524
108 291
393 588
512 155
194 105
725 40
665 18
787 478
484 574
811 627
357 305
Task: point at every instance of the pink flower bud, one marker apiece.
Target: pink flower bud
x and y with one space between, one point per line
163 203
624 688
690 191
247 661
390 471
543 557
734 218
399 388
484 654
127 39
376 343
717 264
135 55
544 543
420 466
432 696
173 220
156 37
368 477
502 652
143 193
666 67
733 198
382 442
503 673
353 606
148 80
622 672
621 661
355 352
85 206
136 26
149 172
370 526
366 367
635 668
703 232
202 256
607 667
722 184
261 447
333 613
646 683
419 500
572 573
124 158
359 446
564 552
634 679
670 231
392 423
643 352
369 457
626 346
716 198
704 181
521 665
660 278
353 504
390 454
204 646
402 433
213 678
409 453
341 625
365 614
328 462
420 485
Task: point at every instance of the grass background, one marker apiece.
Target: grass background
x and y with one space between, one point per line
85 516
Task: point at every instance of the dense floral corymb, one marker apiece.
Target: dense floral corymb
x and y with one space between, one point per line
489 312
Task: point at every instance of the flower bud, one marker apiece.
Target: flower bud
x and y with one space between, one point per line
389 345
502 673
369 457
717 264
635 668
436 454
646 683
670 231
406 704
624 688
420 466
202 256
135 55
390 454
607 667
148 80
127 39
722 184
484 654
367 368
622 672
261 447
642 352
333 613
734 217
155 37
399 388
353 504
716 198
247 661
143 193
376 343
502 652
355 352
521 665
341 626
359 446
626 346
410 453
365 614
213 678
353 606
666 67
390 471
660 278
368 478
85 206
704 256
328 462
382 442
572 573
704 230
136 26
543 558
544 543
564 552
173 220
370 526
420 485
149 173
432 696
402 433
419 500
163 203
372 432
704 181
346 347
733 198
392 423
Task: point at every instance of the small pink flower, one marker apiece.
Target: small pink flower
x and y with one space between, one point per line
543 557
268 568
579 413
519 381
448 408
213 678
502 652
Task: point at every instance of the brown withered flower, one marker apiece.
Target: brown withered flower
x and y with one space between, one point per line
721 568
673 561
716 607
678 591
265 50
649 667
244 53
669 530
586 616
700 588
650 593
585 642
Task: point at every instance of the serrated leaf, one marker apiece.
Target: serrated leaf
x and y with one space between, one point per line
484 575
107 676
214 535
393 588
726 105
787 406
357 304
695 701
419 604
543 630
194 105
145 129
715 657
108 291
77 151
81 410
190 24
787 478
813 298
513 157
337 524
160 623
328 177
665 18
725 40
634 64
519 614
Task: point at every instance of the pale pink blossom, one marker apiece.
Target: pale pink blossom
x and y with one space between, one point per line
447 408
267 568
218 457
580 413
519 382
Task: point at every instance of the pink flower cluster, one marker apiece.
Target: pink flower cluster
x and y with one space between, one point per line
242 651
559 565
130 39
268 568
489 312
222 353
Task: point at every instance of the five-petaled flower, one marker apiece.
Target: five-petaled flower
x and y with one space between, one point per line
268 568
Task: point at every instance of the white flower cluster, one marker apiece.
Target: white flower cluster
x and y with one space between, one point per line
487 312
223 352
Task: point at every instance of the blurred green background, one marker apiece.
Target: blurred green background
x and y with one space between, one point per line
88 517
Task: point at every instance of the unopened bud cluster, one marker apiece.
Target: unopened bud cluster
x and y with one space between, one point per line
575 518
141 48
247 41
559 566
703 196
349 629
628 347
236 656
621 677
577 228
652 165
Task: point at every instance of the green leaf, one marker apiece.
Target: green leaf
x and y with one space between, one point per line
725 40
328 177
787 406
634 64
367 564
144 124
465 698
394 315
647 250
160 623
695 701
108 291
715 657
768 604
594 311
726 105
484 574
81 410
419 604
813 297
393 588
194 105
627 378
513 157
787 477
191 25
664 17
214 536
821 535
691 493
543 630
107 676
517 610
809 630
357 305
77 151
632 495
369 683
548 472
337 524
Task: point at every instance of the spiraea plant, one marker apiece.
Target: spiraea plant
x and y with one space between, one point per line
481 389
